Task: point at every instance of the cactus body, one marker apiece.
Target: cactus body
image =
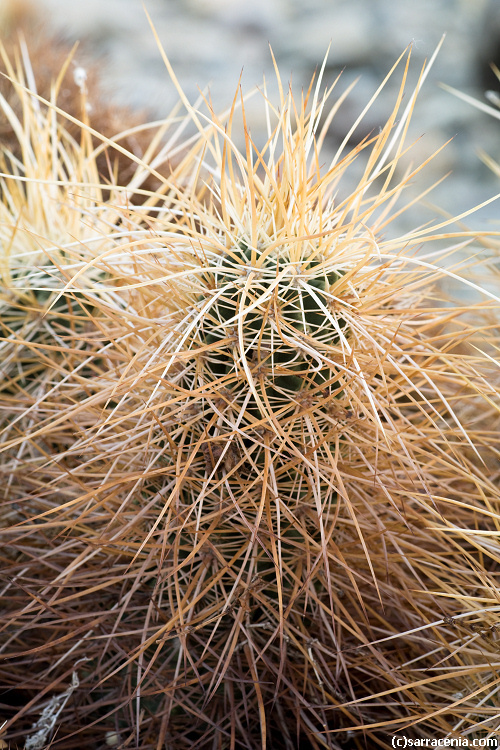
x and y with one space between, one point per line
279 310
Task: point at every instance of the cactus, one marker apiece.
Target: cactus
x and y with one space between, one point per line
60 209
254 524
46 217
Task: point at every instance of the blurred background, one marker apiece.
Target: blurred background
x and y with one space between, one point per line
213 42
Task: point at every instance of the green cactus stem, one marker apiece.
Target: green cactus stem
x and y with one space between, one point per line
286 320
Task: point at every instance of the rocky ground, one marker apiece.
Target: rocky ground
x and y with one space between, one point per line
212 42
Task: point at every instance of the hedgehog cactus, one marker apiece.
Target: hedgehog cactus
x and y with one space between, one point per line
267 482
51 206
57 214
